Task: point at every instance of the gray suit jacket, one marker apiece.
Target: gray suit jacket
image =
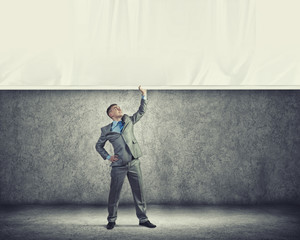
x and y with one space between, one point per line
127 133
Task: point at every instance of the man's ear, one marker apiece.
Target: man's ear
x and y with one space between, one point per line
110 114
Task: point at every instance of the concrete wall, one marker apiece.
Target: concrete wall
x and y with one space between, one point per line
208 146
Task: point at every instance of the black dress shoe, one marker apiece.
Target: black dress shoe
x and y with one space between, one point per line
148 224
110 225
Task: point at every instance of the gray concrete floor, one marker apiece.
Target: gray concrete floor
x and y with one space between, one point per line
173 222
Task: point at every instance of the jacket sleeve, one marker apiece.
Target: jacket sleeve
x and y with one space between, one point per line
141 111
100 146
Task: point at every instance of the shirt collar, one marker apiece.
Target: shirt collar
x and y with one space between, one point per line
114 123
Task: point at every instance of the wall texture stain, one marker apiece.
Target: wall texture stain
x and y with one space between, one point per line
200 146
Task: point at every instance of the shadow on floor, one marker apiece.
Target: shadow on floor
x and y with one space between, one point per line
38 222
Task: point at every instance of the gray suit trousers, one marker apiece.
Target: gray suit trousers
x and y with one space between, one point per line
134 175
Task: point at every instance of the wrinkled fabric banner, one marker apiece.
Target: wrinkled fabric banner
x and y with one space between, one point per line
149 42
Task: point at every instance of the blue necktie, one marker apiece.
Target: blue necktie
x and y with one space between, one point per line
120 123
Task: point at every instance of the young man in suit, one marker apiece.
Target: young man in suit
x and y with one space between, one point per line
125 160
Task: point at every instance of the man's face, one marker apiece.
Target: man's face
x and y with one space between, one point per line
115 111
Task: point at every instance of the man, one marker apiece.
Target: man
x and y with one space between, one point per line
125 160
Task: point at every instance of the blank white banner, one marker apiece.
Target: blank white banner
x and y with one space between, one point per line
149 42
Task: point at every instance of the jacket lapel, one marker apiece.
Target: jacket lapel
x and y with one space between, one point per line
125 119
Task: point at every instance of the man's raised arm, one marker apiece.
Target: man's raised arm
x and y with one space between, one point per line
142 109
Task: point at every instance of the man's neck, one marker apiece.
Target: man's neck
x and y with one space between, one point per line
117 119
